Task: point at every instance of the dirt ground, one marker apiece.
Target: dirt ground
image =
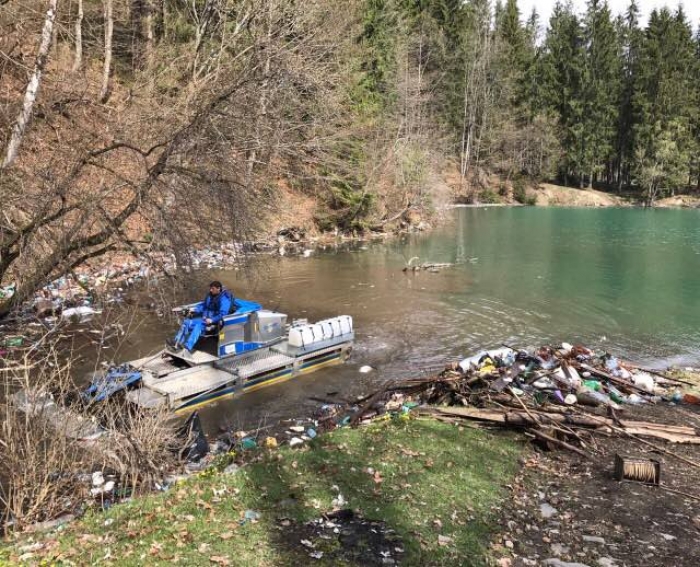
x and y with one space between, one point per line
567 511
556 195
679 201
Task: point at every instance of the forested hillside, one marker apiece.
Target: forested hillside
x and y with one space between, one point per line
141 125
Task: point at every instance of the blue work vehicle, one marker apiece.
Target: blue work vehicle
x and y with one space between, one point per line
248 349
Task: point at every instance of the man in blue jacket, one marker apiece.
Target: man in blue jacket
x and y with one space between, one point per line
206 314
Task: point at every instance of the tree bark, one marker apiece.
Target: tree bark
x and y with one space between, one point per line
32 91
150 33
261 119
163 18
77 65
105 92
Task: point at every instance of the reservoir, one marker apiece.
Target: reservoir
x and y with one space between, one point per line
622 280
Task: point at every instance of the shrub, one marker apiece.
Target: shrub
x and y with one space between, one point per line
489 196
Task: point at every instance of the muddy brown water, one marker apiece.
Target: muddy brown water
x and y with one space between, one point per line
622 280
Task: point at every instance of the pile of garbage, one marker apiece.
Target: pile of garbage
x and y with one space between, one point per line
559 396
71 296
566 376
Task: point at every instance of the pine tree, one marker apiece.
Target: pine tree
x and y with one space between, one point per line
562 74
377 38
600 90
512 37
630 38
665 105
696 121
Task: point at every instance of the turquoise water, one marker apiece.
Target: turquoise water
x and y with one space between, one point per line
622 280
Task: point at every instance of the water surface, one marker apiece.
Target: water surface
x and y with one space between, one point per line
624 280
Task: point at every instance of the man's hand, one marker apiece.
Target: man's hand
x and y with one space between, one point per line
208 321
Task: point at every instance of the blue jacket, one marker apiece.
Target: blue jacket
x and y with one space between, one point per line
216 307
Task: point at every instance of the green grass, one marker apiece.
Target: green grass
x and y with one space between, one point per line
432 479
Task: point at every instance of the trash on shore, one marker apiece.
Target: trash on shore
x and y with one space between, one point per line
558 396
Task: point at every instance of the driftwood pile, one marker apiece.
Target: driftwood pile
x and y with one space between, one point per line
560 397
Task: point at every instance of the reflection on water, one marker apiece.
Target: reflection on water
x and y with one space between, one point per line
626 280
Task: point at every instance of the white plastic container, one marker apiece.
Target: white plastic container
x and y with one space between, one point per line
305 335
345 322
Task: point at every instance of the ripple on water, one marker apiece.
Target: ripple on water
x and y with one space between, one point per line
623 281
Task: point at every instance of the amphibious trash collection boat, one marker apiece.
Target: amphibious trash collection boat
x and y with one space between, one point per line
253 348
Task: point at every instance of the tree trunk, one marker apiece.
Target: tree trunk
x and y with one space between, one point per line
77 65
136 14
109 32
465 126
150 33
32 88
261 119
163 19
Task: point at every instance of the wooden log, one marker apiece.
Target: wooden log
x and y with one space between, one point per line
541 435
519 419
378 395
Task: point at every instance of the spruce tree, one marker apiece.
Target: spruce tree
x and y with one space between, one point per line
562 76
665 105
601 85
630 37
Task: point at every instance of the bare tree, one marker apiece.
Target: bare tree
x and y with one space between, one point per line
476 92
150 33
32 91
134 178
78 63
105 91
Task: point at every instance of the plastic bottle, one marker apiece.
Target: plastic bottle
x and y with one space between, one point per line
612 363
635 399
616 395
248 443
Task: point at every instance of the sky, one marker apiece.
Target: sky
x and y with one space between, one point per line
544 8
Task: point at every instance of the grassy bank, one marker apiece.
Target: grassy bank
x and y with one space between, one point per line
422 492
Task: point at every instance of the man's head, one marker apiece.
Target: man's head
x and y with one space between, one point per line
215 287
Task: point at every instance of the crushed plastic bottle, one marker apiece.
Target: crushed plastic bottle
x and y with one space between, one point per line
248 444
611 363
558 397
593 385
250 516
616 396
635 400
596 399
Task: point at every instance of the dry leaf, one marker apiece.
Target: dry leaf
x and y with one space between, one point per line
219 560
